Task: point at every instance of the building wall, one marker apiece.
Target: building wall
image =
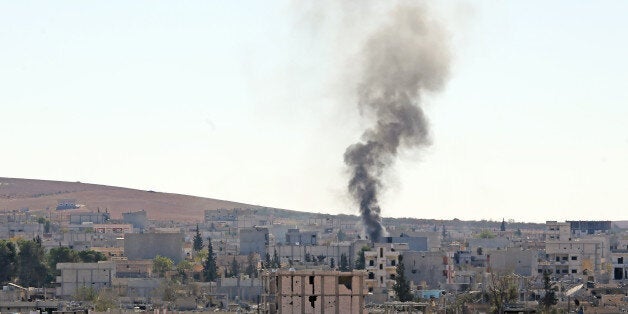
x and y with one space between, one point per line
521 262
314 292
254 240
620 267
557 231
418 244
489 244
381 264
425 267
138 219
97 218
149 245
573 257
91 275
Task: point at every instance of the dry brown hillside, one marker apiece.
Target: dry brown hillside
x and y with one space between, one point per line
42 194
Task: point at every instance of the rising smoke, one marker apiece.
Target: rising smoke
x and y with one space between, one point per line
401 60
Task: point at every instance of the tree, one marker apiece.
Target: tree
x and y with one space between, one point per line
549 298
182 268
267 262
32 269
344 263
486 234
502 290
360 263
161 265
402 286
209 268
341 236
105 299
251 268
276 262
84 293
332 263
8 261
91 256
61 254
235 268
198 241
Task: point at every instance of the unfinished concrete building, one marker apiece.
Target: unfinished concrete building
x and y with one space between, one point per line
313 291
75 276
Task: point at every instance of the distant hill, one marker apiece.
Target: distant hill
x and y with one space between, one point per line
42 194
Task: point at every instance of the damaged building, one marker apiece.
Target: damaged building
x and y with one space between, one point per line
314 291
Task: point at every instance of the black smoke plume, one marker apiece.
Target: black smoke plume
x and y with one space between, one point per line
402 60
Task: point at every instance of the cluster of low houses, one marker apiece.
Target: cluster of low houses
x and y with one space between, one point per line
587 260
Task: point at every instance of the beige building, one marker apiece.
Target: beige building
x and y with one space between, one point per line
381 265
557 231
314 291
90 275
576 257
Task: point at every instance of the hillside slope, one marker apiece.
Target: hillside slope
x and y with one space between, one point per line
42 194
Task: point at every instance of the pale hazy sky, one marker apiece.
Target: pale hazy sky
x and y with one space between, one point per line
252 102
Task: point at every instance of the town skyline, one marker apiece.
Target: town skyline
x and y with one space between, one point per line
250 105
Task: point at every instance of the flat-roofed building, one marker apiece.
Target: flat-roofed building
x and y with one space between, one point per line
148 245
75 276
314 291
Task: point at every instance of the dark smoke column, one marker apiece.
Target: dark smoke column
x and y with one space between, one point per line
402 59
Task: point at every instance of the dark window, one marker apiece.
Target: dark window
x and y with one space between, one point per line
574 258
574 271
393 263
371 263
381 266
557 258
620 260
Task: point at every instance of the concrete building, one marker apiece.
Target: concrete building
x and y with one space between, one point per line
90 275
113 228
95 218
222 214
297 237
489 244
580 227
134 269
557 230
299 253
26 230
514 260
425 268
314 291
148 245
418 244
254 240
620 267
64 204
381 265
576 257
138 219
